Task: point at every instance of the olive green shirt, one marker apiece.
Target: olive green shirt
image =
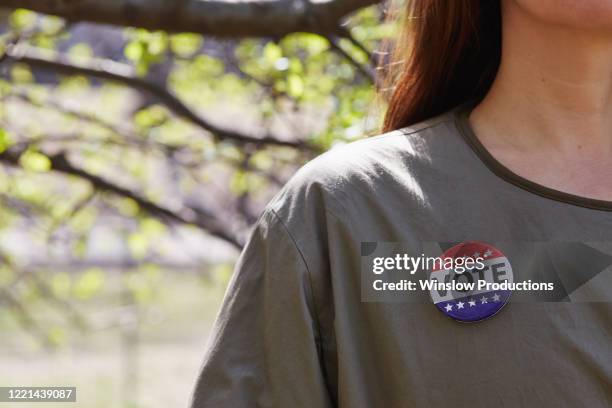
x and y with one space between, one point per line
294 330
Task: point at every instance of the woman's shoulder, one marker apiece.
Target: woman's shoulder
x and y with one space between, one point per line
366 165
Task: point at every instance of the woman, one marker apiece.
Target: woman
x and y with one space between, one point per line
499 129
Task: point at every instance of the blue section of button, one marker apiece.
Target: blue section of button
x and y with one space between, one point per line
475 308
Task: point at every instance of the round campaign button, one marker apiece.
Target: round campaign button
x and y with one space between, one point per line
468 282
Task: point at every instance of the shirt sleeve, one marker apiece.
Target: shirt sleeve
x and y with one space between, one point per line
264 348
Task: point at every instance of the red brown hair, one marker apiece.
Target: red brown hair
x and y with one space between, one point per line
448 53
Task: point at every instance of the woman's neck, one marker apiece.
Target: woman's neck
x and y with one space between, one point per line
550 106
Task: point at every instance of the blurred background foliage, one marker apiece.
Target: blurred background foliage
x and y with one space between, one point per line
132 163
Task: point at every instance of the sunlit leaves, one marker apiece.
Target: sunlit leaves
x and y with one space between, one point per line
145 48
80 51
207 66
138 244
89 283
208 80
83 220
50 24
297 86
134 51
366 27
21 73
22 20
152 227
140 286
56 336
7 275
43 31
151 116
74 83
303 69
5 140
127 207
141 241
34 161
185 44
272 53
61 284
240 182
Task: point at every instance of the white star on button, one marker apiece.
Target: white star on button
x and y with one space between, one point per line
472 302
488 253
448 307
483 300
460 305
496 298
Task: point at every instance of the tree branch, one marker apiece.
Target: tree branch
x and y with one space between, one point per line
345 33
365 70
118 72
25 318
221 18
184 215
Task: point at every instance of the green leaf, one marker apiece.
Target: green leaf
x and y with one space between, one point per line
138 244
272 52
295 85
152 227
23 19
157 43
186 44
239 183
5 140
134 51
128 207
56 336
208 66
152 116
21 73
89 283
51 24
140 287
34 161
61 284
7 275
80 51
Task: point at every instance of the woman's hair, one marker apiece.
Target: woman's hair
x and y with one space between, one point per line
448 53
